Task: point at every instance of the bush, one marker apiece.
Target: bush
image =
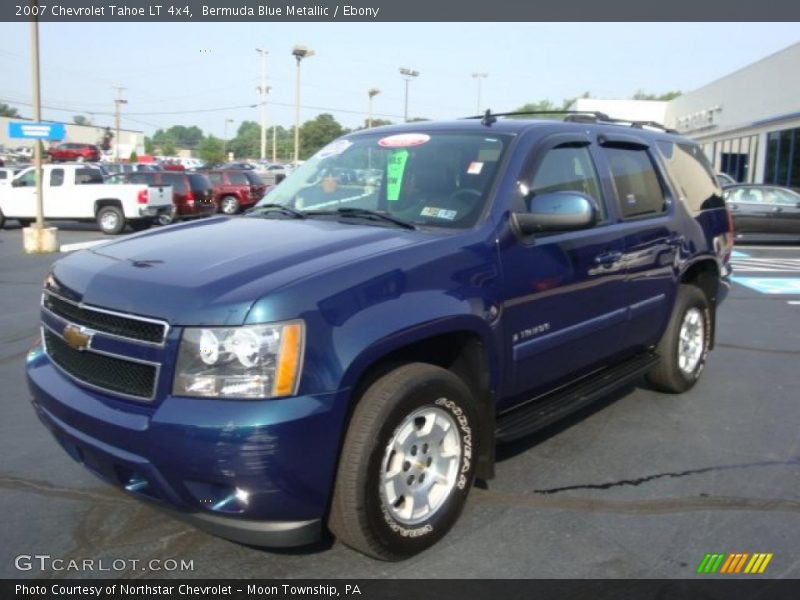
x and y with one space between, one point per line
133 158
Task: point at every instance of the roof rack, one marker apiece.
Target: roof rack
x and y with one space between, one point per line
573 116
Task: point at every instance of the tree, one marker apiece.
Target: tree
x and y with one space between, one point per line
149 147
375 123
81 120
185 137
211 150
8 111
666 96
318 132
133 158
247 143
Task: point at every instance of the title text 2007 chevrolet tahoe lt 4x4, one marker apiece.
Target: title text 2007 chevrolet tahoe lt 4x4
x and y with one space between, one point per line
348 353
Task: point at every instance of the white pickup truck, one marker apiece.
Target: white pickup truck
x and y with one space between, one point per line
78 193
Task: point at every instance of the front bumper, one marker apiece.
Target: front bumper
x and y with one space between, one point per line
256 472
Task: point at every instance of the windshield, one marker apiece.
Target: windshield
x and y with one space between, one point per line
436 179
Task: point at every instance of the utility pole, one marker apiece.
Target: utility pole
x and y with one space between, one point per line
479 76
118 102
263 90
299 52
37 117
408 75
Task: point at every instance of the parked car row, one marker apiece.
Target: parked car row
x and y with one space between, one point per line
763 210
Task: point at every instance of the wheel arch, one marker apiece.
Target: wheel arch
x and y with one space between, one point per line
704 274
103 202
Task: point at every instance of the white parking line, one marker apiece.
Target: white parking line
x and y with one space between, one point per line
793 302
80 245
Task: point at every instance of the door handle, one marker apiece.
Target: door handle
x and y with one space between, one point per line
606 259
675 240
777 209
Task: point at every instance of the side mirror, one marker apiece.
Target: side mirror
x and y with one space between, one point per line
557 211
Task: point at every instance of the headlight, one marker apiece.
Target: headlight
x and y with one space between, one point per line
252 361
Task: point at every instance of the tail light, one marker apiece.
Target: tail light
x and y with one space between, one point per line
143 197
189 197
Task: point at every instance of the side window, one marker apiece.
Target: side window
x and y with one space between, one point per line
568 168
177 182
783 197
697 185
88 176
746 196
56 177
28 179
216 178
639 191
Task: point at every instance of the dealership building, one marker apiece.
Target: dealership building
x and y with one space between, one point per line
747 122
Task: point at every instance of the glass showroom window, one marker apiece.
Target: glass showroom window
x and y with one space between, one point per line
783 158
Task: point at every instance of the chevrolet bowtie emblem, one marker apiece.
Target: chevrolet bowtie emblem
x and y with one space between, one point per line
77 337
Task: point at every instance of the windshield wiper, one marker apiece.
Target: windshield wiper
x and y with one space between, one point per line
293 212
364 213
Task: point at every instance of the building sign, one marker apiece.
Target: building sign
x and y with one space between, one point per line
30 130
702 119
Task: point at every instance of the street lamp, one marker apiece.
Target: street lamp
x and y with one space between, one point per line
372 92
299 52
225 139
408 75
263 90
479 76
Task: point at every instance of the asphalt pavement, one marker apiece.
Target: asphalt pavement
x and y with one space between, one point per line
641 485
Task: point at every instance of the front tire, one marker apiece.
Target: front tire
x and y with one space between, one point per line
407 463
110 220
685 344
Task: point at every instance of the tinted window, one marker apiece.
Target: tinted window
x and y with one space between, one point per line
253 178
178 182
141 177
3 175
567 169
697 186
639 192
199 183
88 176
238 179
56 177
216 178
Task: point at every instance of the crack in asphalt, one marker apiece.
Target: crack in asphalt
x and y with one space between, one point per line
44 488
753 349
639 481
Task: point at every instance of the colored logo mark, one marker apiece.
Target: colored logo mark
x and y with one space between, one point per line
741 562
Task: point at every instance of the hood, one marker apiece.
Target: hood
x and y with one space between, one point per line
210 272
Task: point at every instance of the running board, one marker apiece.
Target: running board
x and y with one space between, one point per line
541 412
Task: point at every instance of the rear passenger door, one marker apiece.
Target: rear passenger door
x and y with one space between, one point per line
785 211
644 211
564 293
750 213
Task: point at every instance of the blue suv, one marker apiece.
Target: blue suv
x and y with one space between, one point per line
348 353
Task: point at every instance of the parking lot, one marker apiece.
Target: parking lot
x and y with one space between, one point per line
642 485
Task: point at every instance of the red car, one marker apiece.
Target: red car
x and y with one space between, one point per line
76 152
192 193
235 190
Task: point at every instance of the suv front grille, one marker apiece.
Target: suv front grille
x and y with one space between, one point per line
99 370
152 332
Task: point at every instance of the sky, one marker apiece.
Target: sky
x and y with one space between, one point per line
205 73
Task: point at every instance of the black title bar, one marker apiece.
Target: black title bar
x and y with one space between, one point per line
397 10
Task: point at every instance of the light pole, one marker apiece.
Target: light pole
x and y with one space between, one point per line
408 75
479 76
225 139
118 102
299 52
263 90
372 92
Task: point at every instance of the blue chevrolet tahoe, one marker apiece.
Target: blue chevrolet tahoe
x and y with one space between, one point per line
348 354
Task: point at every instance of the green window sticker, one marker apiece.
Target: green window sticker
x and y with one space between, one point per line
395 167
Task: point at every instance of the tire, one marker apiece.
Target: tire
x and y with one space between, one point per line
164 219
110 220
685 344
24 222
2 220
374 513
140 225
229 205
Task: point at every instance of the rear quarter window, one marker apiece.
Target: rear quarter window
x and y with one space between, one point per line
178 182
238 179
88 176
253 179
691 173
639 191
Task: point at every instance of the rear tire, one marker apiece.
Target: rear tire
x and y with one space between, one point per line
140 225
685 344
24 222
110 220
2 220
229 205
407 463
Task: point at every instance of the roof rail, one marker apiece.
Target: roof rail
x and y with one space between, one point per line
573 116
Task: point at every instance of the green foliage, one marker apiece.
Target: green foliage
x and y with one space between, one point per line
545 105
318 132
149 146
8 111
247 143
211 150
666 96
168 148
81 120
133 158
